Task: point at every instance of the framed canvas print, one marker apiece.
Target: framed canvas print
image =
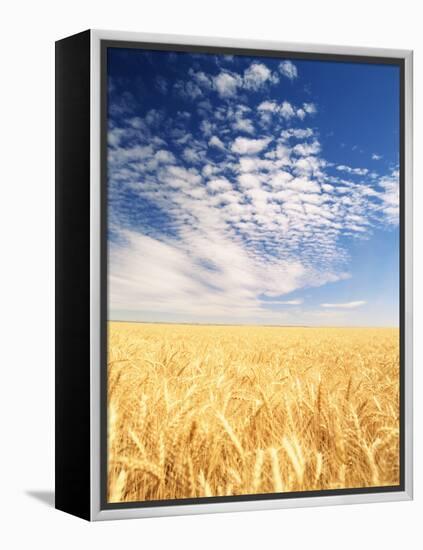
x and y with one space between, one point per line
233 275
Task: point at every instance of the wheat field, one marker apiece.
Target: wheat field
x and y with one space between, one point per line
198 411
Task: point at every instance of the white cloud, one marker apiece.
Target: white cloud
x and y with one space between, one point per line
258 74
164 156
346 305
310 108
297 133
309 166
192 155
296 302
304 185
390 197
189 90
196 276
244 125
214 141
227 84
288 69
209 170
246 146
271 106
201 78
306 149
375 156
248 181
279 179
286 110
218 185
177 176
355 171
154 117
207 127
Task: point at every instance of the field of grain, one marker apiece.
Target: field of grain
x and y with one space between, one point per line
198 411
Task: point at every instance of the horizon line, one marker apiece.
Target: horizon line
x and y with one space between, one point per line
248 324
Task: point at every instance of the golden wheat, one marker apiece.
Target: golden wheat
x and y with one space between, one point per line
198 411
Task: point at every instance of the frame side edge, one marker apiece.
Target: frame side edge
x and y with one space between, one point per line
72 384
408 158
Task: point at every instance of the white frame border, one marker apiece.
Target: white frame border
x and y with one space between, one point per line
95 141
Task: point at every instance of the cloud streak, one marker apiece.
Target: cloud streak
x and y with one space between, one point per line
200 276
345 305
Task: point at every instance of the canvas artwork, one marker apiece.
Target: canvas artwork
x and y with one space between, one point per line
253 275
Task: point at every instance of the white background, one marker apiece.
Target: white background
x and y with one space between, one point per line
28 32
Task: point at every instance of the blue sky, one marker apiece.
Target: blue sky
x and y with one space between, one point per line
252 190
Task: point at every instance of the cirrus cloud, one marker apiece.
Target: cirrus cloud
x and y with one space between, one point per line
345 305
